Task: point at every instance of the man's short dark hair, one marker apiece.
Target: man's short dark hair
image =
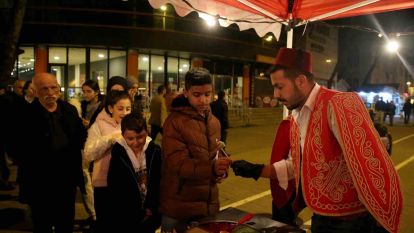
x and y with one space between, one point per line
197 77
160 89
221 94
133 122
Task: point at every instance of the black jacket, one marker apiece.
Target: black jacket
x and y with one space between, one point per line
220 110
45 171
124 191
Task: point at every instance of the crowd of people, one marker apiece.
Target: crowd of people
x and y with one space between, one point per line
320 159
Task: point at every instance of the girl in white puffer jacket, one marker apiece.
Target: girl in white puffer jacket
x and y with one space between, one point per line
102 136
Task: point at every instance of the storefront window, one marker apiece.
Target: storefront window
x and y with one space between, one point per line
57 65
143 77
99 67
173 73
57 55
25 64
157 73
184 66
117 63
76 72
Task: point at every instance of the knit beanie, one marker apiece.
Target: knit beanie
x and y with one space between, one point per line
117 80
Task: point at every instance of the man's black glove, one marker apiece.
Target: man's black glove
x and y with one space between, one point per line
247 169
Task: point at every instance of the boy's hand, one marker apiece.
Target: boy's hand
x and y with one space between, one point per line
221 166
220 144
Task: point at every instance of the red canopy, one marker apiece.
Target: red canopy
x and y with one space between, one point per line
266 15
320 9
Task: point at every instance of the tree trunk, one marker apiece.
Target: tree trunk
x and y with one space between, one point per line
10 28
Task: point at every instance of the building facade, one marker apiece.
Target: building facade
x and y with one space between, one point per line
79 40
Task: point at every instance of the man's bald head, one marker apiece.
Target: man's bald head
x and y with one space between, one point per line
46 89
43 76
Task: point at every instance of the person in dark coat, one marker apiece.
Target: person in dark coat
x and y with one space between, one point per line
407 110
220 110
391 112
5 101
134 179
51 159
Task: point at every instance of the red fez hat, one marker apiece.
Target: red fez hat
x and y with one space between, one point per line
294 59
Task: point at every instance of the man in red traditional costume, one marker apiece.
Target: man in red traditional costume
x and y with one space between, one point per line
341 169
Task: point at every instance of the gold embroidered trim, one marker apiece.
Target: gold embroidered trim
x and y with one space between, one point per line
371 173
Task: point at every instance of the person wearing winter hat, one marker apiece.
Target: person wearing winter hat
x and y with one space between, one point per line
136 97
117 83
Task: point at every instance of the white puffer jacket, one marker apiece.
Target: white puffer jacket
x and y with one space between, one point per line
102 135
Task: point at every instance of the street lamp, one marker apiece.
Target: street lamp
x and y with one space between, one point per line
393 46
269 38
210 20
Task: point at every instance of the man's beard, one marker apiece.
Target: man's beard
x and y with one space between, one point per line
298 100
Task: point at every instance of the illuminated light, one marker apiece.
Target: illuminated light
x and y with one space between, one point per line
261 74
185 65
379 35
181 70
163 7
269 38
393 46
408 83
145 59
54 69
56 57
101 55
328 60
211 21
398 34
32 60
159 68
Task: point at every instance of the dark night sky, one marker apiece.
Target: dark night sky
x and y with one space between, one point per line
394 21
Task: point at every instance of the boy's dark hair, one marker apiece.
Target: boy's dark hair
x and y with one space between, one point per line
133 122
197 77
113 97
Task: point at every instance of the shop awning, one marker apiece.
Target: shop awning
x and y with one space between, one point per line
266 16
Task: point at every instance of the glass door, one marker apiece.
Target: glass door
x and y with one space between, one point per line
60 71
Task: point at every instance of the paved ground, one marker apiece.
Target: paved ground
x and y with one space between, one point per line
253 144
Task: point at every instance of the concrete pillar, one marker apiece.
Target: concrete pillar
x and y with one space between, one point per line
196 62
132 67
41 59
246 85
